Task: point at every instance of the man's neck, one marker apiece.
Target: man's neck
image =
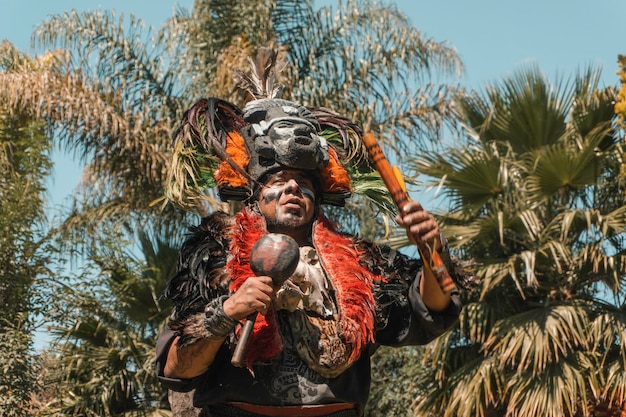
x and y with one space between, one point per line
302 235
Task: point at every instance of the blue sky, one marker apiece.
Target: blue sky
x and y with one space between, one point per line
493 37
496 37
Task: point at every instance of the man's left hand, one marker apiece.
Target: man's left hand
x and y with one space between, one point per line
421 226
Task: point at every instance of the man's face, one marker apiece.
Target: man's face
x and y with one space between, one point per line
287 201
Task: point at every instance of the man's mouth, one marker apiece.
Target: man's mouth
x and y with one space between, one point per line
295 201
293 205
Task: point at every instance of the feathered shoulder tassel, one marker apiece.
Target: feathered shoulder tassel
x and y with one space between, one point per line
200 276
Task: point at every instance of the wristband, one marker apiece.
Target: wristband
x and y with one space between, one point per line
216 321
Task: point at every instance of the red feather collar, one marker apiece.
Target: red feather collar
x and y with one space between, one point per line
340 258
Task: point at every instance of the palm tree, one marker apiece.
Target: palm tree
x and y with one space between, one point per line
535 200
108 323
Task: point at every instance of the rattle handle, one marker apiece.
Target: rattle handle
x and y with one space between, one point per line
239 354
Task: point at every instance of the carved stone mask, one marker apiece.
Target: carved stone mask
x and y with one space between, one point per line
282 134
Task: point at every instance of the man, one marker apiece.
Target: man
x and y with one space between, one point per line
309 354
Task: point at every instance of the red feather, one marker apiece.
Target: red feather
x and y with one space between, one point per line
352 282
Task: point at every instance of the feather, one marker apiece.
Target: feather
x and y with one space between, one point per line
261 82
199 147
199 276
208 150
343 134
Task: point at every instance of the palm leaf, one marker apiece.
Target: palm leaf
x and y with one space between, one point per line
533 340
560 390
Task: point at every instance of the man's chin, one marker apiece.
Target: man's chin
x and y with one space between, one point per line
286 225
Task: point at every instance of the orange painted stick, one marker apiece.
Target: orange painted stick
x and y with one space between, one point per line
399 195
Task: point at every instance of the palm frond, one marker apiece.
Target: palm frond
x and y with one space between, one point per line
472 176
561 390
477 388
476 321
331 55
561 167
533 340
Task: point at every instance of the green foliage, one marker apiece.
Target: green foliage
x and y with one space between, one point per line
537 202
17 372
24 167
395 373
108 319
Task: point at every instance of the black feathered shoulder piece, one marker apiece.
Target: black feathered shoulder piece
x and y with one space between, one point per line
200 275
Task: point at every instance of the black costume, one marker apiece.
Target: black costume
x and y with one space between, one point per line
401 318
346 297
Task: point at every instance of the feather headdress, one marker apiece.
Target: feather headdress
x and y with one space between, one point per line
220 145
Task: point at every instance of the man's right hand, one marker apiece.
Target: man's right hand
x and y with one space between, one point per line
255 294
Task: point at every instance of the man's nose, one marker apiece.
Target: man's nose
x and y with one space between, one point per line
292 186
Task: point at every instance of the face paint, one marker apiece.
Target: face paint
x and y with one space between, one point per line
287 201
274 192
308 193
271 194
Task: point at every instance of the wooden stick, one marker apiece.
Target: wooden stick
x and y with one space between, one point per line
238 358
398 192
